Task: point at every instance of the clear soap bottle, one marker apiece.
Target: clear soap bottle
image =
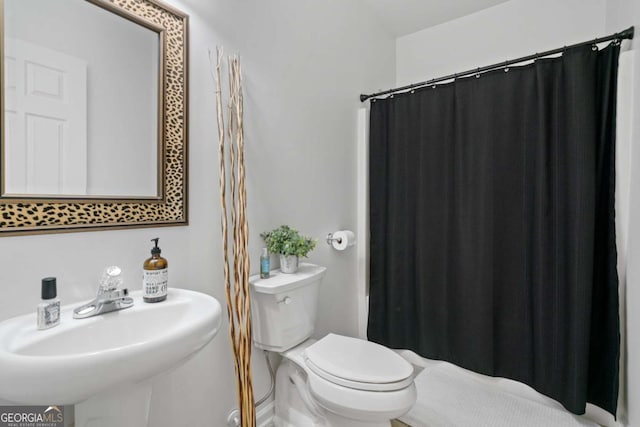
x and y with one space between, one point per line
265 264
155 280
49 308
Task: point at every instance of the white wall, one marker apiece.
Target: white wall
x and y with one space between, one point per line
518 28
621 14
305 63
506 31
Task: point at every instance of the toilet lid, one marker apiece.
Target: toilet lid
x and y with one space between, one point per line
358 364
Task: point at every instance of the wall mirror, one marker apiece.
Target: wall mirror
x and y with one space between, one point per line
94 115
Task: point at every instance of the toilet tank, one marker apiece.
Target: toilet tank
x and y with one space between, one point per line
284 307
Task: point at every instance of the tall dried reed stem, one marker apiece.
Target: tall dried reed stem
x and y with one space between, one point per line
238 300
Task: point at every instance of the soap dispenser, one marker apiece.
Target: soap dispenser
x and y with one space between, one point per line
155 278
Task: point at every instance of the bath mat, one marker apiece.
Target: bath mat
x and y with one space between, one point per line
449 397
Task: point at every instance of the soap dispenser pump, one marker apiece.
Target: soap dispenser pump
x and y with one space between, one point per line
155 278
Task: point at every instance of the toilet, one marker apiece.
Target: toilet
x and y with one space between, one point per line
336 381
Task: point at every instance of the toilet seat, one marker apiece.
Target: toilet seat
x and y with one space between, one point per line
361 405
358 364
353 402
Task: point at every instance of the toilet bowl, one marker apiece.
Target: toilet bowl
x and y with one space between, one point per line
354 380
336 381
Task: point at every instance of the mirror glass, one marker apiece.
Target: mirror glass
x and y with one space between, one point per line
82 110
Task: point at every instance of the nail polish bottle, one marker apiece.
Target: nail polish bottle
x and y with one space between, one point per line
49 308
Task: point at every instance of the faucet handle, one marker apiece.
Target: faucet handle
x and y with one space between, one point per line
111 279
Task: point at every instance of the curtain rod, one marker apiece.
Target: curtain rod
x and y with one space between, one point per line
626 34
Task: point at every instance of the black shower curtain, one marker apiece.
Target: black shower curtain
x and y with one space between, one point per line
492 225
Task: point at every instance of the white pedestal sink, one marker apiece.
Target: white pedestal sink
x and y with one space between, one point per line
104 364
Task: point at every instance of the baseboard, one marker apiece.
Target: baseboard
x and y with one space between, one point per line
264 415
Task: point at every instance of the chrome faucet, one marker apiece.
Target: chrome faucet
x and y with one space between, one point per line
111 296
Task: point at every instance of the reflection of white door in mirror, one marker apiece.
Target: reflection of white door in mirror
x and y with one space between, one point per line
46 121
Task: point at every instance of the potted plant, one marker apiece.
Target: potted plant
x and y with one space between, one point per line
289 244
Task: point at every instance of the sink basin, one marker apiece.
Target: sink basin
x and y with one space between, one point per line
82 358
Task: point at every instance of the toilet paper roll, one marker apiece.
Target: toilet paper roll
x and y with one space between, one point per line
343 239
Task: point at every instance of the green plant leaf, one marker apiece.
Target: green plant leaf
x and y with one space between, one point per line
285 240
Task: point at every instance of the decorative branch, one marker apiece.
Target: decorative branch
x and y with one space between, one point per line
238 301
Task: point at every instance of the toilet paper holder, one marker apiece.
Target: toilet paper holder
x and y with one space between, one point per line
331 239
341 239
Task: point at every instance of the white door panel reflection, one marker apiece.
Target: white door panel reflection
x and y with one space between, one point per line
45 114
